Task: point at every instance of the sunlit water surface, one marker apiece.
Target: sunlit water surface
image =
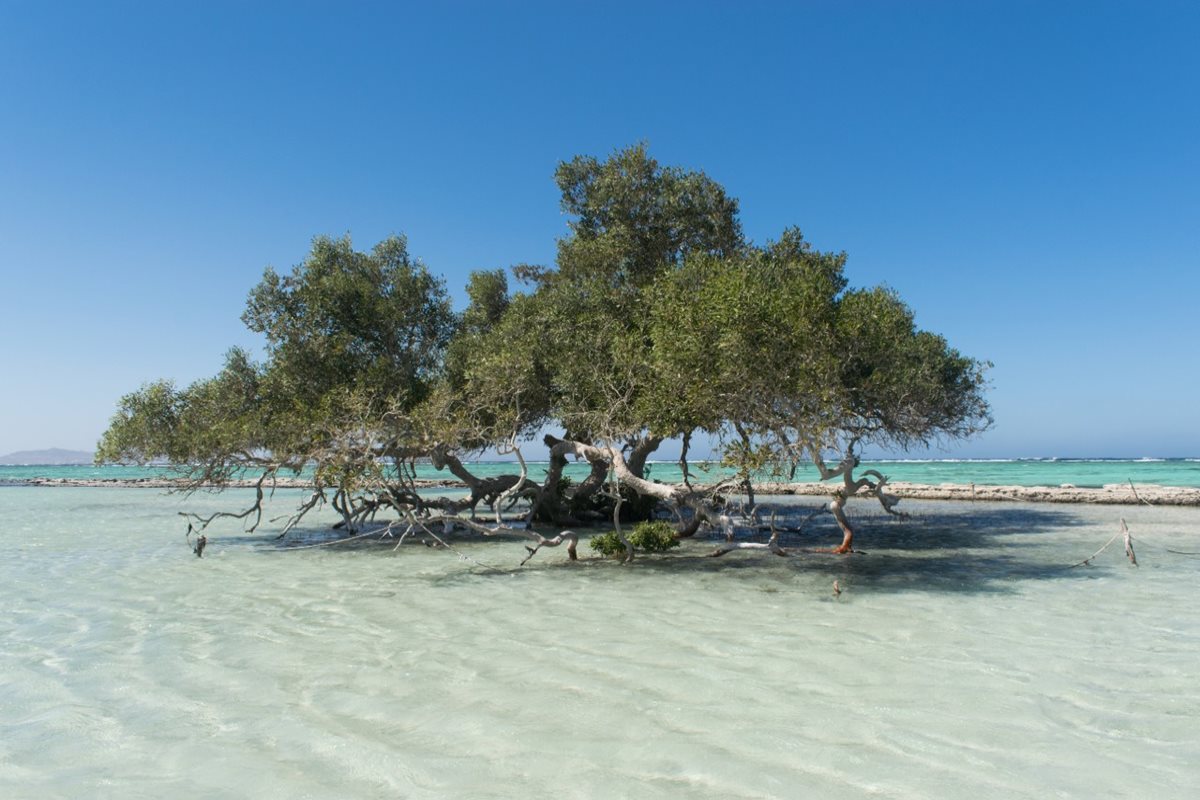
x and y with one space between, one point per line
962 659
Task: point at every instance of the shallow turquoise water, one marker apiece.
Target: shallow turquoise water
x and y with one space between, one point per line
1020 472
963 659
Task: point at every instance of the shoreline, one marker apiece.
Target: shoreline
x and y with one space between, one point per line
1110 494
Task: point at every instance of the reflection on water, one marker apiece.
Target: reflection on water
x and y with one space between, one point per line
962 658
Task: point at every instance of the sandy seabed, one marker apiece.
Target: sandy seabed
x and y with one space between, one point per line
964 656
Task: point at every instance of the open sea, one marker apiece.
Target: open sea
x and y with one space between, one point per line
1081 472
965 656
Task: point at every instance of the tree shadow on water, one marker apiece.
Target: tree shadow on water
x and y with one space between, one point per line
959 550
960 527
956 549
313 539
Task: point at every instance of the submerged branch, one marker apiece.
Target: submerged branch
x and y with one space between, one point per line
771 544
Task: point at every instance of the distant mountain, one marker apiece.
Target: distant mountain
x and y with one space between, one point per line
40 458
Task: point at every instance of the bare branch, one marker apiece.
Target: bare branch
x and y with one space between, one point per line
255 508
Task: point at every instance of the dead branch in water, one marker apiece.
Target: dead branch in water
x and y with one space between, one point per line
1128 543
1136 496
201 542
1123 533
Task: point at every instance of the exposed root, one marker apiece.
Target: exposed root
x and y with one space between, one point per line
569 538
315 499
729 547
771 544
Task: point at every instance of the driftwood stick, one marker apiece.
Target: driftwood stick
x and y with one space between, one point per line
1123 533
1128 543
1136 496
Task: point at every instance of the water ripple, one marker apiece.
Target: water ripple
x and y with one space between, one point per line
961 658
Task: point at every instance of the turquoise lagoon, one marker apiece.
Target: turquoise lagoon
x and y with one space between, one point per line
964 658
1002 472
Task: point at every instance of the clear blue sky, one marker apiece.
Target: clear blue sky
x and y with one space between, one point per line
1026 175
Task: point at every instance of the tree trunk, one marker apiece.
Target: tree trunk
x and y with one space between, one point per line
836 507
613 456
593 483
871 484
642 449
548 504
486 489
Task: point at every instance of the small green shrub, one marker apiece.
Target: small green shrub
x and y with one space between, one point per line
654 537
648 537
608 544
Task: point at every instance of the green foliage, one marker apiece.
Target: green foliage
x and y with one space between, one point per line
634 218
497 381
354 343
648 537
657 319
143 427
378 322
488 292
770 351
209 421
901 385
731 335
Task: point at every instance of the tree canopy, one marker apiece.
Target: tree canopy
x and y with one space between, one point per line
658 320
355 345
